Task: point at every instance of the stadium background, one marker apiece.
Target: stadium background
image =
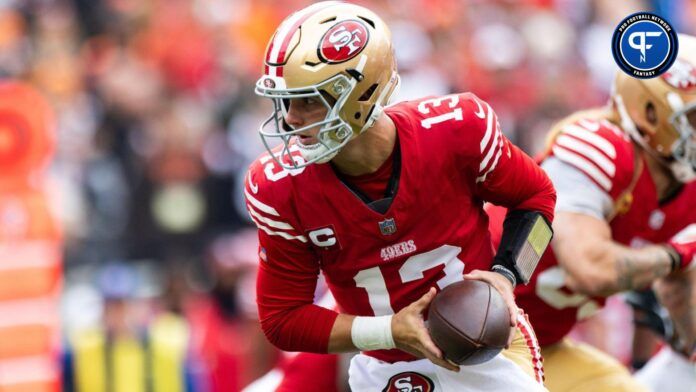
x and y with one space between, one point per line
155 123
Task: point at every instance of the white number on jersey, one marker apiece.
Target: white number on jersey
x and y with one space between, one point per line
373 282
424 107
548 288
274 172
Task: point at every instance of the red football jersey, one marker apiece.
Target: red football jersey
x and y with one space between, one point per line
453 157
309 372
605 155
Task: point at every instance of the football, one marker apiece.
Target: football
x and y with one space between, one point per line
469 321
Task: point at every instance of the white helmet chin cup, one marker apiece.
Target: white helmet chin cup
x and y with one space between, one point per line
684 149
682 172
684 165
317 153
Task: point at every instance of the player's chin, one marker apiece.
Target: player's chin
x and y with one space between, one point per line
307 141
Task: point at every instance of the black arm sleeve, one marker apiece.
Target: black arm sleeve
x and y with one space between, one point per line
526 235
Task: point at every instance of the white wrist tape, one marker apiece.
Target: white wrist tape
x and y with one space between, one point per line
372 333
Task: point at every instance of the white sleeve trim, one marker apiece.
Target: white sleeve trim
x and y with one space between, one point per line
580 162
270 222
268 231
492 150
591 138
575 191
261 206
584 149
266 224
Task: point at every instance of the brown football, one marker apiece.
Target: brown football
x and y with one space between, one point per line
469 322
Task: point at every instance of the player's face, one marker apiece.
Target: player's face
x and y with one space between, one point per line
684 150
304 111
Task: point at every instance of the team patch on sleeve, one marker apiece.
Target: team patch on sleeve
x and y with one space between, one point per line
598 149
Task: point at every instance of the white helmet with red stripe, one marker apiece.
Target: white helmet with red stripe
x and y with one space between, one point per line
660 113
339 53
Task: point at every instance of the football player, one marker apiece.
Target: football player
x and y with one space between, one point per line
388 204
625 209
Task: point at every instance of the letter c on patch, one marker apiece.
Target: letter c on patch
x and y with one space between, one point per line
323 237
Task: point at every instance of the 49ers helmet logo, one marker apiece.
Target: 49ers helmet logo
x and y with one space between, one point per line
409 382
682 75
269 83
343 41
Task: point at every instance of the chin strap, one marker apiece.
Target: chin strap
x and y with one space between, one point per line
383 101
683 173
627 124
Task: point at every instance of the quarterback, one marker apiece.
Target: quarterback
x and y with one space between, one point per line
386 203
625 218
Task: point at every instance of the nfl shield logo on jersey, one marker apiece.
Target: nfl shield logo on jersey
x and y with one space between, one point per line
409 382
387 226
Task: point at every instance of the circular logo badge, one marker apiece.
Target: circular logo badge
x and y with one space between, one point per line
682 75
269 83
644 45
409 381
343 41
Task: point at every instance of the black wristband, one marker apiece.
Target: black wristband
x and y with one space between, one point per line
673 257
509 275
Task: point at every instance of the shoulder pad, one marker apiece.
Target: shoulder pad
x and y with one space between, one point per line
443 112
469 125
599 149
268 196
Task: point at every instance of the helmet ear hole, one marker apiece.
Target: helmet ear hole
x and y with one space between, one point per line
651 113
368 93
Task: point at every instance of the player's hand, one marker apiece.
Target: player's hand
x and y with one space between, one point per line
410 334
677 293
505 289
684 243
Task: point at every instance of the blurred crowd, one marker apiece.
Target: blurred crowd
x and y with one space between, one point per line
157 122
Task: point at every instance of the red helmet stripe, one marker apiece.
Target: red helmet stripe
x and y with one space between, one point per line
279 44
274 71
270 48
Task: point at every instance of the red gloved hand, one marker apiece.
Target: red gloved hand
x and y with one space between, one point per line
683 244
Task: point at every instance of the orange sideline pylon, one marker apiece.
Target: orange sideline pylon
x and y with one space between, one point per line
30 245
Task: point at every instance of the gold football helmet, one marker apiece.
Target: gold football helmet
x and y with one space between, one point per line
660 113
338 53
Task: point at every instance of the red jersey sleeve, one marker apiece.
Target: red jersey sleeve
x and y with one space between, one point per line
502 173
288 269
600 150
